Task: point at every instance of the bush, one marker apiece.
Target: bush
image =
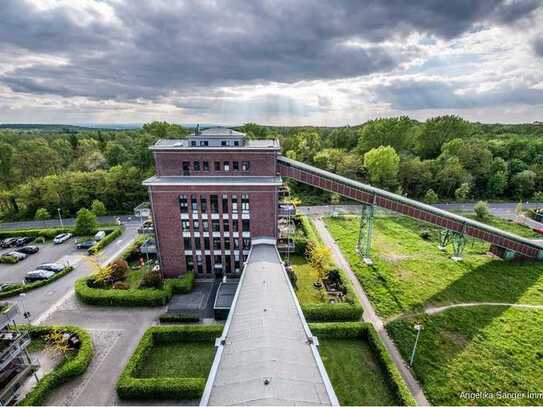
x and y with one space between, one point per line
332 312
85 223
367 331
98 208
151 279
119 269
18 289
110 237
8 259
42 214
68 369
39 240
46 233
179 318
431 197
481 210
134 297
120 285
425 234
170 388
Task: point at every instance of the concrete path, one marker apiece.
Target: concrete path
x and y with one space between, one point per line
370 314
437 310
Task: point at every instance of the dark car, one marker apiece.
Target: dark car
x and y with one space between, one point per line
54 267
10 241
86 244
8 286
23 240
28 249
37 275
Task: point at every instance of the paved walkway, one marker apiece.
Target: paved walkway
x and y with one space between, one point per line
370 314
437 310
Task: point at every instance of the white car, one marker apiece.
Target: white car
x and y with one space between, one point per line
18 255
54 267
62 238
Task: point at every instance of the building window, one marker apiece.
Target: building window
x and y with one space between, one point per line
235 165
206 165
245 225
224 143
189 263
236 265
199 263
183 204
225 203
204 143
245 166
196 225
236 143
225 225
186 167
205 225
196 165
206 243
226 166
226 244
228 261
217 165
197 244
208 264
193 143
236 243
185 225
215 225
235 225
214 200
245 203
203 203
234 203
194 203
216 243
186 243
246 243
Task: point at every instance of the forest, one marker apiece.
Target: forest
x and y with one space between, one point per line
446 158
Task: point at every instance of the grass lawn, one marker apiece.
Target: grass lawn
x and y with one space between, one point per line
356 374
476 349
134 278
187 359
410 273
306 275
508 226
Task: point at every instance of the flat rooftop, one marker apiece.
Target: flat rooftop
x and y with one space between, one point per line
218 180
184 144
267 355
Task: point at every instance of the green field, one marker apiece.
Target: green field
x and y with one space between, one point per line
508 226
488 349
355 373
306 275
187 359
410 273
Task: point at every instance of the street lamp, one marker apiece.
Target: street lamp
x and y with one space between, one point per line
60 218
418 328
25 313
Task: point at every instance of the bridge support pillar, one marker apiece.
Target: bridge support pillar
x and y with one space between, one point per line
458 244
363 246
444 239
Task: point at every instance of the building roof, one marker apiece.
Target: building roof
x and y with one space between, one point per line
183 144
219 180
219 131
267 355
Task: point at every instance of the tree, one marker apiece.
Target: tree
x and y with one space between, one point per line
85 223
523 183
395 132
481 210
437 131
383 164
116 154
431 197
415 176
98 208
42 214
462 192
34 158
165 130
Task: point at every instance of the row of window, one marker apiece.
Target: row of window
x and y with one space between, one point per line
202 206
215 242
215 225
216 261
205 143
217 165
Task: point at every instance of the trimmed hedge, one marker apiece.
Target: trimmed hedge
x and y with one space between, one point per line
47 233
367 332
18 289
134 297
180 318
169 388
68 369
110 237
5 259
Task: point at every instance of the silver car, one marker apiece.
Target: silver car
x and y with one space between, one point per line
62 238
18 255
54 267
38 275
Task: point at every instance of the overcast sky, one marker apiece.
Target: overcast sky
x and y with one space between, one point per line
269 61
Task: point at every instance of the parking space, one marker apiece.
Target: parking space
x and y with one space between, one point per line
49 253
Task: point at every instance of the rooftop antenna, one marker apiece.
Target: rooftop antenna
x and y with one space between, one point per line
197 131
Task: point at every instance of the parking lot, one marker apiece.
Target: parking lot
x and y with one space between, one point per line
49 253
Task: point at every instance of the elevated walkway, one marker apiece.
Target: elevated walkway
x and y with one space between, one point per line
266 354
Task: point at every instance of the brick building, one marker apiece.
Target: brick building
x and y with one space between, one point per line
211 194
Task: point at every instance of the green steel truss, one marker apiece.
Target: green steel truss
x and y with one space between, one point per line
365 233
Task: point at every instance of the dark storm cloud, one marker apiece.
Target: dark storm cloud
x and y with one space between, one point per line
155 47
538 46
415 95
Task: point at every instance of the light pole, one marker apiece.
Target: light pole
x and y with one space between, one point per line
25 314
418 328
60 218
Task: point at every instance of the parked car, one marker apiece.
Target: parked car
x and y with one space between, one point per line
23 240
37 275
100 235
62 238
54 267
85 244
18 255
538 230
8 286
28 249
10 241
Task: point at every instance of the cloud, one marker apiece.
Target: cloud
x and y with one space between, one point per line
538 46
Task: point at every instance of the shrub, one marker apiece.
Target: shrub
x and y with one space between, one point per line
18 288
367 331
431 197
179 318
39 240
120 285
425 234
98 208
68 369
332 312
8 259
42 214
85 223
481 210
110 237
151 279
170 388
119 269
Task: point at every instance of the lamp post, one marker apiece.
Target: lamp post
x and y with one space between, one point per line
26 314
60 218
418 328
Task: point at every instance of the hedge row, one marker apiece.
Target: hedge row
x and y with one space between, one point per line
170 388
309 230
68 369
367 332
179 318
18 289
134 297
47 233
110 237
